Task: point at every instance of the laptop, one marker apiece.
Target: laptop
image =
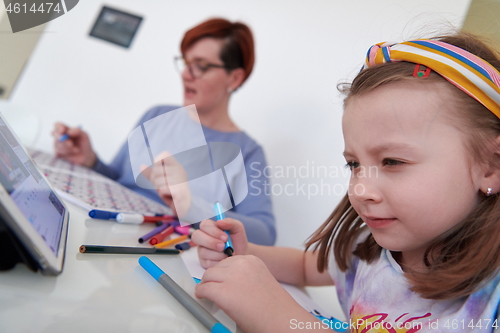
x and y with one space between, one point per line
33 220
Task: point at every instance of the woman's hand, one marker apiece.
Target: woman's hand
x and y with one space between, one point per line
167 171
245 289
76 148
211 240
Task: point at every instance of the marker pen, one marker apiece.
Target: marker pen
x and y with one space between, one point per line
158 238
175 223
65 136
104 249
135 218
163 214
102 214
185 246
228 249
155 231
184 230
199 312
171 241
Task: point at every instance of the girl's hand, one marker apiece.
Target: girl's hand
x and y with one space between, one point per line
245 289
76 148
211 240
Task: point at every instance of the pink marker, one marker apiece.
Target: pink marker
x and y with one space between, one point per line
184 230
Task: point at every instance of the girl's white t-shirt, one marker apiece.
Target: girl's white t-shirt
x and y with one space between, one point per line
377 298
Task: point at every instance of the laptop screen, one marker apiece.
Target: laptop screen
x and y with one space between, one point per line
29 190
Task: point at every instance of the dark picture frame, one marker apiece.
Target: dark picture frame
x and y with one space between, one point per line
116 26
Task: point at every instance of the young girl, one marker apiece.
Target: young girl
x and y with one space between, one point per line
412 247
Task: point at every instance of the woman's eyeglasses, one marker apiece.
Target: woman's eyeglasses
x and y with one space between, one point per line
197 68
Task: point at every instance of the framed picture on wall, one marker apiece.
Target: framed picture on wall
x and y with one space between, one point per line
116 26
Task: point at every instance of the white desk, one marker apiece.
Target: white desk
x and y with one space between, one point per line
96 292
110 292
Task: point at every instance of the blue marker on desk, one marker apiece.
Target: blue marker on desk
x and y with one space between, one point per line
183 297
228 249
102 214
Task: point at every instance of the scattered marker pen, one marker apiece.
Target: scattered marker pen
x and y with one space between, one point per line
171 241
155 231
183 297
184 230
158 238
135 218
185 246
228 249
103 249
102 214
174 223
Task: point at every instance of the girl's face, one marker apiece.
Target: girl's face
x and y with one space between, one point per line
411 176
210 91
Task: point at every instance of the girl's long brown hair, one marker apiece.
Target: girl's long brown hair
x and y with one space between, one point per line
468 254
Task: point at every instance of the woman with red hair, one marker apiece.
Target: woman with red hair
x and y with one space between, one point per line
217 58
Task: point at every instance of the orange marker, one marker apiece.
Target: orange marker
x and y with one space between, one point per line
185 246
172 241
161 236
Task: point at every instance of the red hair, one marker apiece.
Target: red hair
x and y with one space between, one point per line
237 52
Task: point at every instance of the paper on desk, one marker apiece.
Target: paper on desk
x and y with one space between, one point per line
90 190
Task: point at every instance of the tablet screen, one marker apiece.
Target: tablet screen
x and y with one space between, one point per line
29 190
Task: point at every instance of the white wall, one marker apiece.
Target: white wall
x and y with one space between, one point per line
290 103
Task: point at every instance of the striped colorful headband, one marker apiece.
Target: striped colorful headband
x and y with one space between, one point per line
471 74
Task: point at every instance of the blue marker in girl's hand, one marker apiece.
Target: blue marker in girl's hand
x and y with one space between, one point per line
228 249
